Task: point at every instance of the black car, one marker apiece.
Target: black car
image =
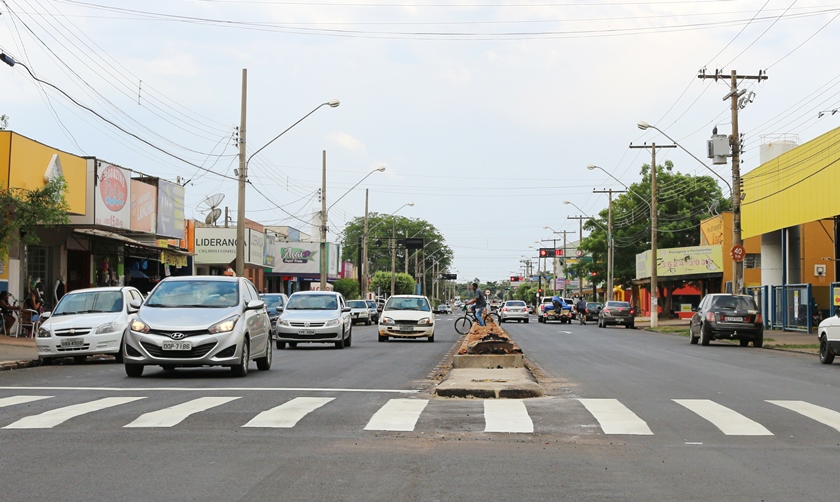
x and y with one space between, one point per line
592 310
274 305
727 317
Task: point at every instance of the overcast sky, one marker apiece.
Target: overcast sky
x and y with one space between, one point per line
485 113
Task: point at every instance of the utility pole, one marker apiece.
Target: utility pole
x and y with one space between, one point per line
363 283
654 287
610 244
580 238
393 253
324 221
554 258
240 208
736 102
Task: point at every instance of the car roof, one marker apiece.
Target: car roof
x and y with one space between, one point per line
103 288
314 293
214 278
407 296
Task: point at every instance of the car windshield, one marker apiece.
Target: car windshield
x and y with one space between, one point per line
371 304
618 304
420 304
357 304
90 302
312 302
734 303
200 293
272 301
593 305
515 304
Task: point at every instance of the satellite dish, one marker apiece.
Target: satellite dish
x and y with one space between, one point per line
214 200
212 216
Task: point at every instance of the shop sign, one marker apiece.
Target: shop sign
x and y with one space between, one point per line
268 251
256 245
295 258
143 206
674 262
215 245
112 200
170 210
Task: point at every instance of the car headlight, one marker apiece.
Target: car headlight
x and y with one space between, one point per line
108 327
425 320
386 320
331 323
138 325
283 322
44 333
224 326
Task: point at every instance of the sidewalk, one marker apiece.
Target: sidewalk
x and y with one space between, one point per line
16 353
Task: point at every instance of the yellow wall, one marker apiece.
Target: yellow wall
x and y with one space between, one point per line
23 163
718 230
794 188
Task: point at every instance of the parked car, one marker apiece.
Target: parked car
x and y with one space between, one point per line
514 310
87 322
374 311
828 333
359 311
725 316
274 305
592 310
315 317
615 312
199 321
407 316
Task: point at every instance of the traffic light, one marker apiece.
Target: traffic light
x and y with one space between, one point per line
539 290
513 278
543 252
558 252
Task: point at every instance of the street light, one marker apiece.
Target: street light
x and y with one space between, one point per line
610 246
243 173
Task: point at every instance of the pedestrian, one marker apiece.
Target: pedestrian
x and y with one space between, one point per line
7 311
480 303
32 309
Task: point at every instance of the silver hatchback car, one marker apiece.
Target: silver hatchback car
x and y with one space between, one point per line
199 321
315 317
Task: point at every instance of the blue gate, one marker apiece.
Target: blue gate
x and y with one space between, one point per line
793 307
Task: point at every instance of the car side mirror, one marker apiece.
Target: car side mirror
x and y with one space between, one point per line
134 306
279 310
346 309
255 305
46 315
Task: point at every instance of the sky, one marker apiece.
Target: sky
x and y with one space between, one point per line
485 113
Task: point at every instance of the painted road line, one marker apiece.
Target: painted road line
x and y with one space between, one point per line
217 389
730 422
615 418
507 415
174 415
50 419
288 414
13 400
822 415
397 415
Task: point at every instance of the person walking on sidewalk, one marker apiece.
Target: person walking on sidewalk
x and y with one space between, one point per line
480 303
7 310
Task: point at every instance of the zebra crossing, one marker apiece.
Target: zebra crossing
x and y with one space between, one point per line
510 416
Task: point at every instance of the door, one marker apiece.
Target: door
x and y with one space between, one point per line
78 269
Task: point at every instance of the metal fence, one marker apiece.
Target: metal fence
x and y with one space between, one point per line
792 307
759 294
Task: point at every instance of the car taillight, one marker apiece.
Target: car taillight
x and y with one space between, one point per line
504 309
758 318
607 311
710 316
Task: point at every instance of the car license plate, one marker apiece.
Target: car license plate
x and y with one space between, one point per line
405 330
735 319
176 345
306 332
73 342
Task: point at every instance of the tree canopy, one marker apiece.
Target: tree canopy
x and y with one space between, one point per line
21 211
403 283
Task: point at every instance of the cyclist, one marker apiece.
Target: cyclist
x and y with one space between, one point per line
480 303
581 310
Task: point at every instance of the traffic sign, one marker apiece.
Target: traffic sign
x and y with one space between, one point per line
578 253
738 253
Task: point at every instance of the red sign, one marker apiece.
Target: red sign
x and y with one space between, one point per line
738 253
113 188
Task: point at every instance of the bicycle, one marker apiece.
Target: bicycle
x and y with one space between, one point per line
464 323
582 317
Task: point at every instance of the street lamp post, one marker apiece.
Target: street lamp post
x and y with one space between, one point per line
609 243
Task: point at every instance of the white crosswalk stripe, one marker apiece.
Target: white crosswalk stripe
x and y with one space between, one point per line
397 415
507 415
50 419
730 422
615 418
288 414
174 415
822 415
13 400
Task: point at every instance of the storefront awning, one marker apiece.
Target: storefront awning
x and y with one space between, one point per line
169 256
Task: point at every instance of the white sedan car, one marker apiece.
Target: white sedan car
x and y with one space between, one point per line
829 337
407 316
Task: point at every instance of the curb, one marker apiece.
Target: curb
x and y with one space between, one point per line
16 365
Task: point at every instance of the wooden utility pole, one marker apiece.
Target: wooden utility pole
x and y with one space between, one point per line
580 238
737 101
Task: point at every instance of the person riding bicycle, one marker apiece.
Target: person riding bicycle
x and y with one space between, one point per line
480 303
581 310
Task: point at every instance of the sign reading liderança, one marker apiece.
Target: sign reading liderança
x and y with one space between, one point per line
215 245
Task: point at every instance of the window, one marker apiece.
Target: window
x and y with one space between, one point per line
752 260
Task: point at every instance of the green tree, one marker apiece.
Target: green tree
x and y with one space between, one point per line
4 122
347 287
22 211
403 283
683 201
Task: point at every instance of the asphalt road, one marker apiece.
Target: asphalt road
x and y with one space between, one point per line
630 415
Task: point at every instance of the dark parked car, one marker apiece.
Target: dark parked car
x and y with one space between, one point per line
617 313
374 311
729 317
592 310
274 305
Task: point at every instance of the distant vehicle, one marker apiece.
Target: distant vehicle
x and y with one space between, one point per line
274 305
442 309
359 311
726 316
592 310
407 316
315 317
547 312
828 334
374 311
494 304
530 309
514 310
615 312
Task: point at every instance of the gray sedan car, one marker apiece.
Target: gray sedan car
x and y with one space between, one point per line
315 317
615 312
199 321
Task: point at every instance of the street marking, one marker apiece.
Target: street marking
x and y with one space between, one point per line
507 415
216 389
822 415
288 414
615 418
50 419
397 415
11 401
730 422
174 415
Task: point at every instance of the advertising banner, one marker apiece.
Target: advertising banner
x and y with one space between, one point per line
215 245
143 206
268 253
297 258
112 207
170 210
674 262
255 249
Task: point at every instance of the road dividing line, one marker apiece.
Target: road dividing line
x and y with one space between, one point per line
50 419
822 415
397 415
507 415
11 401
615 418
174 415
728 421
288 414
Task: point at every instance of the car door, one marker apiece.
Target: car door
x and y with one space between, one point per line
697 318
256 320
347 319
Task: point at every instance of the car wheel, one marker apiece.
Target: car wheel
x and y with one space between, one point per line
431 339
367 322
349 341
501 320
691 338
46 361
281 345
79 359
632 325
134 370
527 320
264 363
240 370
758 341
340 343
705 336
743 343
826 355
119 355
383 338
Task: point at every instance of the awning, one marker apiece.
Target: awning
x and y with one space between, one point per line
169 256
